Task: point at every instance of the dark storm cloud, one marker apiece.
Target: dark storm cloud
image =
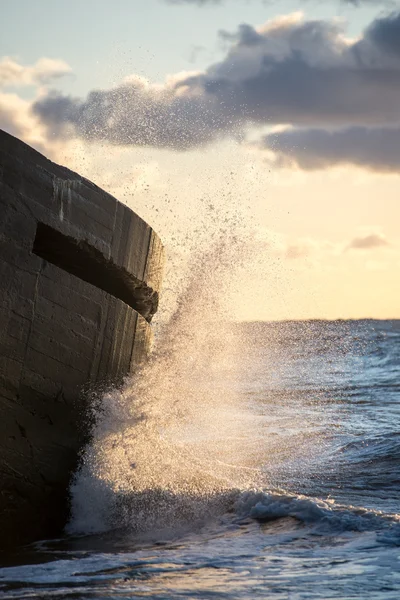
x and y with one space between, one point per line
300 72
306 73
385 32
377 149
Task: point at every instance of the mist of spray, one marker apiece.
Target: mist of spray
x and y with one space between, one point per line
173 443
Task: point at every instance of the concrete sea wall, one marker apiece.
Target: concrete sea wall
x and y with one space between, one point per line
80 275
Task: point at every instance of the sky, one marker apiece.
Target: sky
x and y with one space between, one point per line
274 125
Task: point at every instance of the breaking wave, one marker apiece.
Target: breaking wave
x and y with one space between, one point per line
324 516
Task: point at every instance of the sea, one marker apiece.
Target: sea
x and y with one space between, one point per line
245 460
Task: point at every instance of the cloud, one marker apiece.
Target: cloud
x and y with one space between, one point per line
294 251
195 2
11 110
218 2
374 148
45 70
137 113
17 119
368 242
384 32
317 250
306 73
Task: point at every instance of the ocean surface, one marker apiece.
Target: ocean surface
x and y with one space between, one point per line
264 462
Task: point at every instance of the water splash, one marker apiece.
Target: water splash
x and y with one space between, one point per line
173 444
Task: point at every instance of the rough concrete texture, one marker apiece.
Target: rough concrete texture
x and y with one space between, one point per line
79 280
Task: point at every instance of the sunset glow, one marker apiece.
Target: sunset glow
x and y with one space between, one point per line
197 115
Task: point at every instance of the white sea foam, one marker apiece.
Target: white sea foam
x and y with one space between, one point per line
325 516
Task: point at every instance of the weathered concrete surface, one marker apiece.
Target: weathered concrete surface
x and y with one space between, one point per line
79 280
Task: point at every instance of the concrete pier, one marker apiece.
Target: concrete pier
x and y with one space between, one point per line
80 275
